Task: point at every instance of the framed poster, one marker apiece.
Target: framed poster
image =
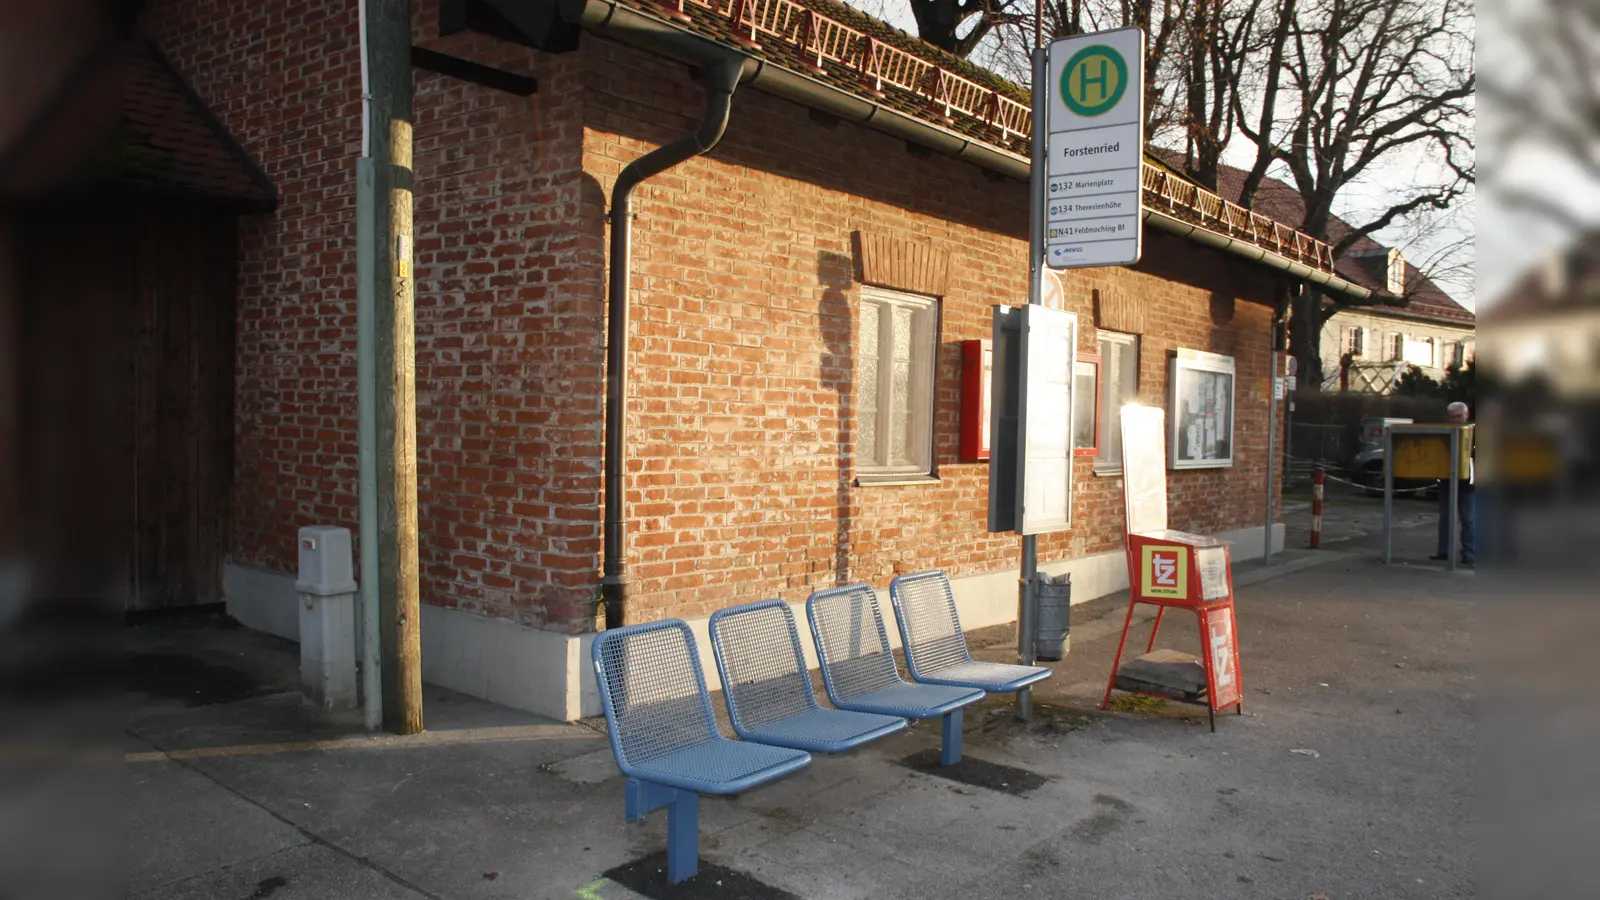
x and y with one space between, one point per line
1201 404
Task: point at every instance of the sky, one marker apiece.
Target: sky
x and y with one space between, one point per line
1511 244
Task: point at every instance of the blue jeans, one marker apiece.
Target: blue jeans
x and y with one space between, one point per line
1467 515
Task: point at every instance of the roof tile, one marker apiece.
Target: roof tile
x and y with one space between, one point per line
171 141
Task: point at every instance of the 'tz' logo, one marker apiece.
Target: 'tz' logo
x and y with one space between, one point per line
1166 573
1164 569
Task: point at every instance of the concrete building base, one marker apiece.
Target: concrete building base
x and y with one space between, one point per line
549 673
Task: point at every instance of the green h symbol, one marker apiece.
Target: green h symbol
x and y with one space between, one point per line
1084 79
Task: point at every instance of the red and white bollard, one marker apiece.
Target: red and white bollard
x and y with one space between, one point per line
1319 478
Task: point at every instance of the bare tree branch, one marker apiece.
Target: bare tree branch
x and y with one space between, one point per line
1544 207
1326 90
1437 199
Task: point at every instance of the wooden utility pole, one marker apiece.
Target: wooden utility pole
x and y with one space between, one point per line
392 361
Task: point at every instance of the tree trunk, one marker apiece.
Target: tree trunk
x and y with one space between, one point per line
1203 162
937 21
1305 331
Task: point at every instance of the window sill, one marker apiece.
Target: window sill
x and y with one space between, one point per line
894 480
1108 471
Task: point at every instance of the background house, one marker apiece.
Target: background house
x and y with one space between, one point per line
1407 320
1546 328
1366 348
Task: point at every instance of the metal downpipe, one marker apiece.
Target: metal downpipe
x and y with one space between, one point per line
721 76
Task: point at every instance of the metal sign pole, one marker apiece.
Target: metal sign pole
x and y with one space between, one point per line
1388 495
1027 600
1272 450
1452 544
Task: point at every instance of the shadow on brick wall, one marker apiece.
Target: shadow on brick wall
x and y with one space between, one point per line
835 272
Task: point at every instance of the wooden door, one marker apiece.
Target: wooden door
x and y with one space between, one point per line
183 358
126 347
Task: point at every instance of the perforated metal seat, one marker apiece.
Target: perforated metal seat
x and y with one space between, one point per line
859 671
915 701
664 735
768 690
719 766
936 647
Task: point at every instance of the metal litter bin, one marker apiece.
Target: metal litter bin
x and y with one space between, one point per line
1055 601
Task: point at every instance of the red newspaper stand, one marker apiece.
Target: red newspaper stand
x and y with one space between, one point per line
1172 569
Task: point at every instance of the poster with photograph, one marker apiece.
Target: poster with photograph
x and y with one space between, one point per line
1201 405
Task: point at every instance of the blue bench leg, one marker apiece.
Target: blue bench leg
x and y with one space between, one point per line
683 823
950 749
683 837
641 798
634 807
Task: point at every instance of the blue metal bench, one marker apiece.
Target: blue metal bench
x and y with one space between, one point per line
665 737
768 689
936 647
859 671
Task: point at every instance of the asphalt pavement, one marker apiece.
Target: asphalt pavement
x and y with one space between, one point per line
1349 775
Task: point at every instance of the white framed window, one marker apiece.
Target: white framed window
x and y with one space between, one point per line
1419 352
898 343
1086 405
1397 346
1355 341
1119 385
1396 280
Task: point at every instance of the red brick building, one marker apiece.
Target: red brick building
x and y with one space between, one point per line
846 231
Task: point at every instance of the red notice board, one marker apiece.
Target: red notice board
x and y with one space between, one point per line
1223 665
977 370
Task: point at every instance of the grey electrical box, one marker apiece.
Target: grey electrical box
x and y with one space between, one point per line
327 592
326 563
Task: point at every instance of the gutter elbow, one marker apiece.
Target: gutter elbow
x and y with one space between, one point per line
722 77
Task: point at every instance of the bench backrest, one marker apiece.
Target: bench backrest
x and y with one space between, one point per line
925 607
851 641
764 675
652 690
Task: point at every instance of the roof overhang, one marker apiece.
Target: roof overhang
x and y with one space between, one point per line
630 26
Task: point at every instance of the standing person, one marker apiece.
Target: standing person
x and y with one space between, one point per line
1466 503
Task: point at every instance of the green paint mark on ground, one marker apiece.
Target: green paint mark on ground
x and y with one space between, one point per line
1138 703
591 891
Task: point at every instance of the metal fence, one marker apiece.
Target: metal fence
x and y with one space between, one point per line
1312 444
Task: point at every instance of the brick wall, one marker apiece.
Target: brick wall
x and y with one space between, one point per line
509 312
741 459
741 455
